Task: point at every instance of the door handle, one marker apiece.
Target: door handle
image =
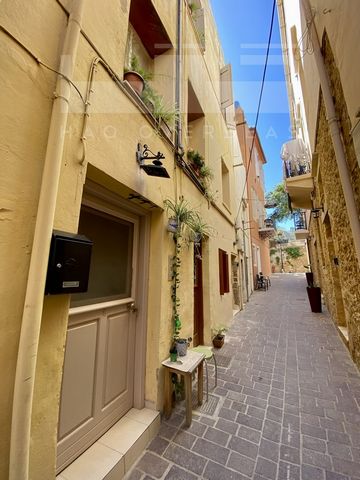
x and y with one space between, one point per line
132 307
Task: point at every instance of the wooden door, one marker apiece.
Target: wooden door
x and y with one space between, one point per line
98 377
198 337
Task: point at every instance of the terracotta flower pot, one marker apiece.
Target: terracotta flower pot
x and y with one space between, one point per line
218 341
135 80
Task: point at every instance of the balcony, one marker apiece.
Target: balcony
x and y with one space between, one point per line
267 230
300 223
297 173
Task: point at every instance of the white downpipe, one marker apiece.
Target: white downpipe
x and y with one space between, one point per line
34 297
334 132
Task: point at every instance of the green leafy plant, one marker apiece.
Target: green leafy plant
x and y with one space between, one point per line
219 331
293 252
277 260
188 224
273 251
156 104
198 228
196 159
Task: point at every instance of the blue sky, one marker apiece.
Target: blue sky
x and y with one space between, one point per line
243 27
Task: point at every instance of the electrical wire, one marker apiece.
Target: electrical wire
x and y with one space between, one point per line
40 62
258 108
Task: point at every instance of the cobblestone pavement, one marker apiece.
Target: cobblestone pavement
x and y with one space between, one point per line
286 406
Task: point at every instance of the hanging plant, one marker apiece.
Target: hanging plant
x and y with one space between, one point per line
186 225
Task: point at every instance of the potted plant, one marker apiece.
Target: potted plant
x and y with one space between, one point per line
314 294
165 115
136 76
181 215
219 336
182 345
196 160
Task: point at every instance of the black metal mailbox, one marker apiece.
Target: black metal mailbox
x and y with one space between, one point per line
69 263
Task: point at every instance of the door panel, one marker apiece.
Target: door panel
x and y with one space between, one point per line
118 384
77 406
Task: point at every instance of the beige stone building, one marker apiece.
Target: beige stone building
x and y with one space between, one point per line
322 62
73 142
258 228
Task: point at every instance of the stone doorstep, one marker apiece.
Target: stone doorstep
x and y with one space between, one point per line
112 456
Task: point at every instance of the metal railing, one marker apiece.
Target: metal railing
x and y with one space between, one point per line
300 222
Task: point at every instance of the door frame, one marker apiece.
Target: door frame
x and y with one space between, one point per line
100 198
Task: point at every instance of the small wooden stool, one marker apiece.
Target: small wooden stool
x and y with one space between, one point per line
184 366
209 354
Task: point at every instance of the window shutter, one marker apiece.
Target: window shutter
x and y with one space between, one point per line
226 92
223 272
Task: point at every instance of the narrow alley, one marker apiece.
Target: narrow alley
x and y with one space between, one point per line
286 406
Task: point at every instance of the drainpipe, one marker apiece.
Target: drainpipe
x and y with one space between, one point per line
178 80
246 263
285 54
332 120
34 297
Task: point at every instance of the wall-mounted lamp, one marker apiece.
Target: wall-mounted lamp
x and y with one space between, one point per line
316 212
155 168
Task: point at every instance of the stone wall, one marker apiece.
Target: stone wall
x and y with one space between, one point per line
291 265
332 248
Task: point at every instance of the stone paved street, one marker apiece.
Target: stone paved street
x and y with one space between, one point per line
286 406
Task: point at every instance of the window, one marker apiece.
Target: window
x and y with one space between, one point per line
223 272
225 184
111 260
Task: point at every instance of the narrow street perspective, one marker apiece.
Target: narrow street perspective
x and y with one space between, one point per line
287 404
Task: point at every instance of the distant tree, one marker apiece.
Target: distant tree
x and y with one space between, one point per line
293 252
279 197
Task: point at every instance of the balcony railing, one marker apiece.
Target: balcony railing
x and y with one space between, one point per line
296 158
267 230
300 221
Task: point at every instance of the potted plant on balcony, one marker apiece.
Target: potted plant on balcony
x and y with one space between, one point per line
314 295
136 76
164 114
219 336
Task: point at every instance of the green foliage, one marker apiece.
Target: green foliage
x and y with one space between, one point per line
273 251
293 252
156 104
219 330
280 197
277 260
190 227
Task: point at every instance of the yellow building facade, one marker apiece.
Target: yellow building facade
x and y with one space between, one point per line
73 140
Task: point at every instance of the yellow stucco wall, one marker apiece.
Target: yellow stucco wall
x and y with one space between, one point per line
115 126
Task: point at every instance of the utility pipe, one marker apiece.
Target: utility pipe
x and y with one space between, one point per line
332 120
178 80
34 297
